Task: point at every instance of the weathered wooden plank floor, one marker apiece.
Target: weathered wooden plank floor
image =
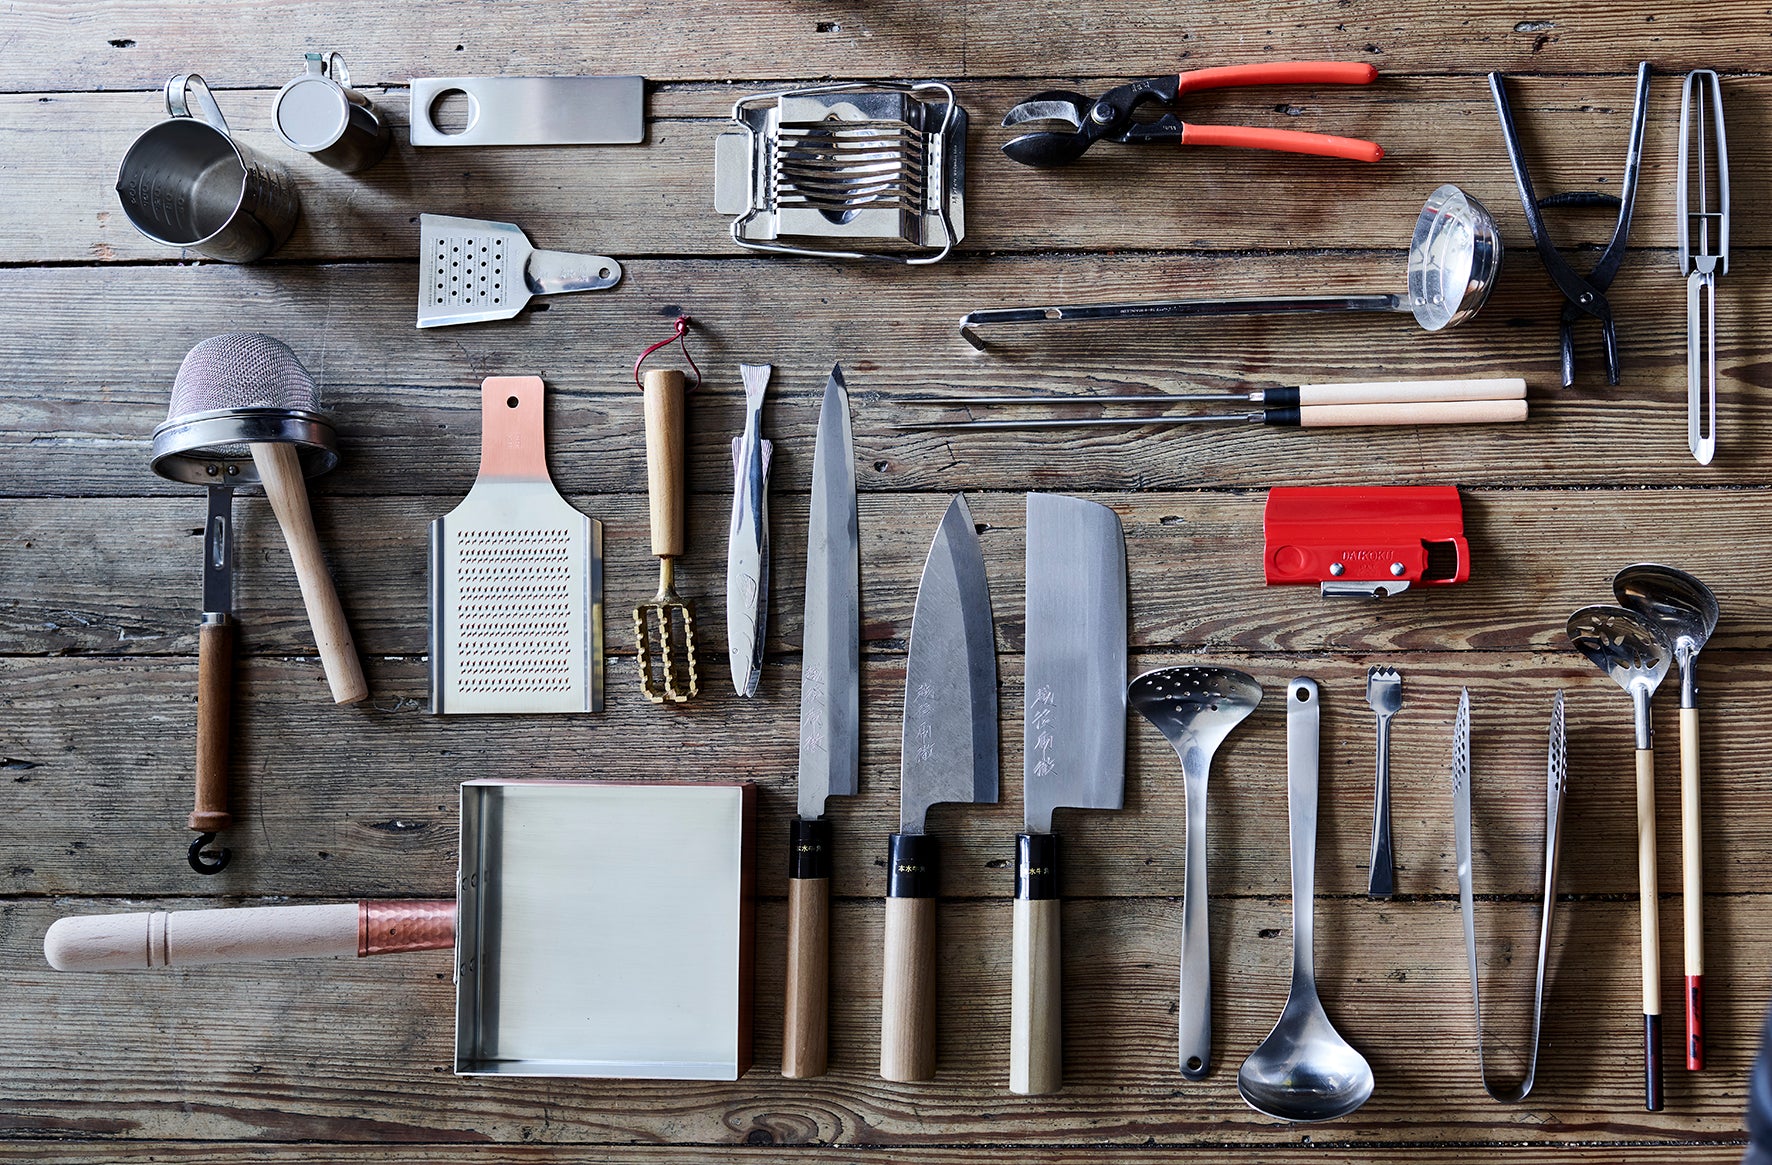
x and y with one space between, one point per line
313 1062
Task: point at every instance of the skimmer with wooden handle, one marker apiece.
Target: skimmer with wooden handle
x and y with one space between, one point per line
516 576
664 629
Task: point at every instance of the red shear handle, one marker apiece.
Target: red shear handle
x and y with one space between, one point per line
1277 73
1288 141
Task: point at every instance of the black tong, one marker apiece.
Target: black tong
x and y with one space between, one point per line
1586 295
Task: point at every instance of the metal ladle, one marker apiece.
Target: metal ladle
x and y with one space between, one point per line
1195 708
1685 611
1636 655
1304 1070
1454 258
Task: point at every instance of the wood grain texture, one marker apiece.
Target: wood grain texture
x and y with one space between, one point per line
320 1061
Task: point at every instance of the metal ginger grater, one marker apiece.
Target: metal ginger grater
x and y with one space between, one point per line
516 588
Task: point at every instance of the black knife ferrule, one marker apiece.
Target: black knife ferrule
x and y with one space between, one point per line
809 848
913 867
1283 397
1036 866
1290 417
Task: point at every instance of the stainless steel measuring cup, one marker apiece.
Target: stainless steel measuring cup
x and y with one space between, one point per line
187 183
319 113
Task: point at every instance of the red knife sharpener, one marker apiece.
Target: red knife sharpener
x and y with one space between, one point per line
1368 541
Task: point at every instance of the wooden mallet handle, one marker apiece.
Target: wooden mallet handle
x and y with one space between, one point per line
664 391
279 468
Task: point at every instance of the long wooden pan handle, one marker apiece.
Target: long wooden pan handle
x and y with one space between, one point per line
664 391
191 938
907 1003
805 1038
1036 1050
1692 889
215 698
279 468
1651 923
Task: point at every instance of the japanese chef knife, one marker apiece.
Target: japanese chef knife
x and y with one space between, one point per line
1073 750
949 753
830 728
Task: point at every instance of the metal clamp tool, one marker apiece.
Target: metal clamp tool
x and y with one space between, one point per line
1704 247
1556 782
1586 296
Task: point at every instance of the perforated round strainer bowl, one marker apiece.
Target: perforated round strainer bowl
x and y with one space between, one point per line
234 391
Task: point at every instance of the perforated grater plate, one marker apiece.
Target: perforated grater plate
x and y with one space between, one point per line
470 270
516 577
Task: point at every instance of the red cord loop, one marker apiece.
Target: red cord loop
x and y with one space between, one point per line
676 337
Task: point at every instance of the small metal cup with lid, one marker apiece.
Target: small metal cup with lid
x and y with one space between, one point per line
319 113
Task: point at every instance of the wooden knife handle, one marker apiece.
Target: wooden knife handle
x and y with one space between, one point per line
907 1004
279 468
664 391
1467 412
1036 1026
215 698
805 1019
189 938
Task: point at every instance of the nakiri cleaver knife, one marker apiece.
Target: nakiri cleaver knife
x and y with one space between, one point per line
1073 749
949 753
830 729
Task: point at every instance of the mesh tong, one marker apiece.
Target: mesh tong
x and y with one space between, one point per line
1702 190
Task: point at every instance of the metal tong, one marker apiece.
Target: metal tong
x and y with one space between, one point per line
1586 295
1091 119
1555 784
1704 247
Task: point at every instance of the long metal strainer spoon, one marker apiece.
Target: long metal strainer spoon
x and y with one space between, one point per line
1636 655
1195 708
1304 1070
1454 258
1685 611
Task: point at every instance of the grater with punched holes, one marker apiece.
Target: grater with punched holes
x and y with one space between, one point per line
516 587
471 270
878 164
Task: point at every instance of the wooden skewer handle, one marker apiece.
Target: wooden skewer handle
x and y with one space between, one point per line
1651 929
907 1003
664 393
1464 412
1036 1024
215 698
189 938
805 1039
1692 889
279 468
1412 391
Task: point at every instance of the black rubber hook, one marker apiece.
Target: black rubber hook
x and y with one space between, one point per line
201 862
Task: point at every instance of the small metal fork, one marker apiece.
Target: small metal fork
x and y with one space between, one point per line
1384 691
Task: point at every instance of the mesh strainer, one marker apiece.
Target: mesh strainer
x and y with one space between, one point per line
232 392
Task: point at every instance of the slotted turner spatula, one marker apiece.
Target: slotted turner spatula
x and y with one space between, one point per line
471 269
516 576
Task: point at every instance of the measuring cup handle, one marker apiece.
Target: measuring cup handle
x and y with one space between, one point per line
179 91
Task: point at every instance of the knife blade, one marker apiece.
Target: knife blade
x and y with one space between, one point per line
948 753
747 541
830 728
1074 747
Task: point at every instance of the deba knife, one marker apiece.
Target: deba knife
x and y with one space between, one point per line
1073 751
830 729
949 753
